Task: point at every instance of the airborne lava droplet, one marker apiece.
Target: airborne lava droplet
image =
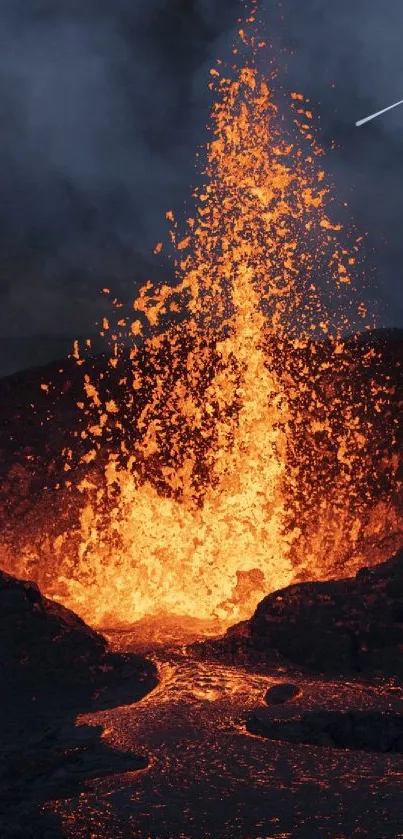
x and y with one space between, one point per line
241 459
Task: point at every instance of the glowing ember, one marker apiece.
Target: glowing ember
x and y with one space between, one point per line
242 460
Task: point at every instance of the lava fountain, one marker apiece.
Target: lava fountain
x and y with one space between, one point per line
229 459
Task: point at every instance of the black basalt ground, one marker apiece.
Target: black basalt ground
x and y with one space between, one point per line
53 667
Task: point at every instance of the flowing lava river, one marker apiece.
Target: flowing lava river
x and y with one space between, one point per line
208 778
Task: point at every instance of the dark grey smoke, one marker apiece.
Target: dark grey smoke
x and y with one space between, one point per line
347 56
102 105
101 112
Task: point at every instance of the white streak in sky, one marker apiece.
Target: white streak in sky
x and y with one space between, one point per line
378 113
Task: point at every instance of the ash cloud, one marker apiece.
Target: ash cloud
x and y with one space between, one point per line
347 57
100 123
102 108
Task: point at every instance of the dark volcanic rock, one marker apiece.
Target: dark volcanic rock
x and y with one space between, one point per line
50 659
57 762
337 626
283 692
53 666
45 650
20 598
362 730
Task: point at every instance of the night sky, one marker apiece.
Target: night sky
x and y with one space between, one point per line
103 106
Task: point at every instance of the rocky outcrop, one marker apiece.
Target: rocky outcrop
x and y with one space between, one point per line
52 667
37 633
335 627
49 658
369 731
282 692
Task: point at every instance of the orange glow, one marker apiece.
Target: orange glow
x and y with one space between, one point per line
246 465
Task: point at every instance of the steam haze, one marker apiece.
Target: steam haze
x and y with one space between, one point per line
103 106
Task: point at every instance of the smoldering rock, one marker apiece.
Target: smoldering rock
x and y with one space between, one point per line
282 692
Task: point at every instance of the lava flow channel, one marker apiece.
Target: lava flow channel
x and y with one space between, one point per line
243 455
208 777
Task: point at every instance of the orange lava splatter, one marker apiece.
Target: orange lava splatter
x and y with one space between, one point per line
242 456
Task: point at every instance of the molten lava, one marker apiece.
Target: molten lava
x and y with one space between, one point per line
234 456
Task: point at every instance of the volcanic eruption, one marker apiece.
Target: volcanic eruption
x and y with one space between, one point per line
231 444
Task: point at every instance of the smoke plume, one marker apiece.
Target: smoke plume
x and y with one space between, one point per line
103 105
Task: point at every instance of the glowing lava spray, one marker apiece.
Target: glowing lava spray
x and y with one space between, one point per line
202 507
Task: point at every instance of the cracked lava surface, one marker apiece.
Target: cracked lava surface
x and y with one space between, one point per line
208 778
